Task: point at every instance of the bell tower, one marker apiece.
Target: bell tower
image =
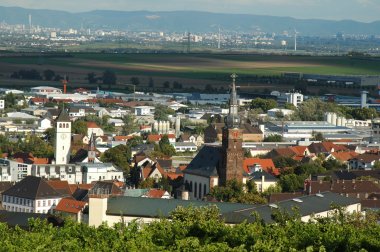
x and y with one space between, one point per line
62 138
91 152
231 166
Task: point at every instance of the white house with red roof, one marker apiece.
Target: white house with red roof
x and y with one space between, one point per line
93 128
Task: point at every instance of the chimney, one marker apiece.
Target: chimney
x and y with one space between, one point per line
320 182
262 183
353 181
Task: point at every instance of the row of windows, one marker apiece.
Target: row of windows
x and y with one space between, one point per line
17 209
64 125
28 202
197 189
18 201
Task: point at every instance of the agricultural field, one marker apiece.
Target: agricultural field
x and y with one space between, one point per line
196 70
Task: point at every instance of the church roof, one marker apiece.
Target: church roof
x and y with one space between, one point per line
63 116
205 162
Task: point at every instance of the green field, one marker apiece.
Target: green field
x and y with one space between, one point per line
190 68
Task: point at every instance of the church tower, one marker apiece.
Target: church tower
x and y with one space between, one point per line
62 138
91 152
231 166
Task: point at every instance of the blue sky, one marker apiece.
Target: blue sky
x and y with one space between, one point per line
361 10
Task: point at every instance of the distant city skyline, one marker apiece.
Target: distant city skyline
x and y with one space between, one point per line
360 10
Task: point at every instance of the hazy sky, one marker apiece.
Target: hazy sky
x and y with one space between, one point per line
362 10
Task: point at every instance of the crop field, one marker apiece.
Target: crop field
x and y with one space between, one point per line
189 69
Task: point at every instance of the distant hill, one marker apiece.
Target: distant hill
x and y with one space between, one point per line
181 21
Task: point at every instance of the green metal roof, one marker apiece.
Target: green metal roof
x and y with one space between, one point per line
148 207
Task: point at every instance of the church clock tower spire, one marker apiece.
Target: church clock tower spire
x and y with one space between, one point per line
231 166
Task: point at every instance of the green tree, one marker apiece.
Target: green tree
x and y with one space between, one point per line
109 77
166 147
234 192
130 126
135 81
273 138
290 106
263 104
79 127
151 82
162 112
119 156
49 74
291 182
91 77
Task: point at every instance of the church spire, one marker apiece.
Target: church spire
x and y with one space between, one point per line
233 119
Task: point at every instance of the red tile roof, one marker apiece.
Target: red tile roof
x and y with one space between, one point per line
122 138
299 150
154 138
344 156
266 164
70 206
155 193
173 175
92 125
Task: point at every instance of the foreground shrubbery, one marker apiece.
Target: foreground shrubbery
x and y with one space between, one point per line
199 230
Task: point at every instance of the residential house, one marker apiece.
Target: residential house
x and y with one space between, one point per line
44 124
144 110
266 164
100 172
73 209
93 128
185 147
31 195
67 172
364 161
155 138
326 148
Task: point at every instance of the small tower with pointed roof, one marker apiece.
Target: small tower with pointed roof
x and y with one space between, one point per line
91 152
62 138
231 166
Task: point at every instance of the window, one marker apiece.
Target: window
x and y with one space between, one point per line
60 125
44 203
195 189
63 147
200 190
39 203
49 203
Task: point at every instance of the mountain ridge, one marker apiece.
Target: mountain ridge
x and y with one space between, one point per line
181 21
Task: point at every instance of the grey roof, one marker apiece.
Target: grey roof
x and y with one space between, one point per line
256 176
32 188
165 163
63 116
206 162
18 218
151 207
80 194
312 204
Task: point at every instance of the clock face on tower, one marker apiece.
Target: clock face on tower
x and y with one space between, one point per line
63 136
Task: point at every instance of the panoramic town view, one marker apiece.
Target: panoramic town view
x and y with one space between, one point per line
162 125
